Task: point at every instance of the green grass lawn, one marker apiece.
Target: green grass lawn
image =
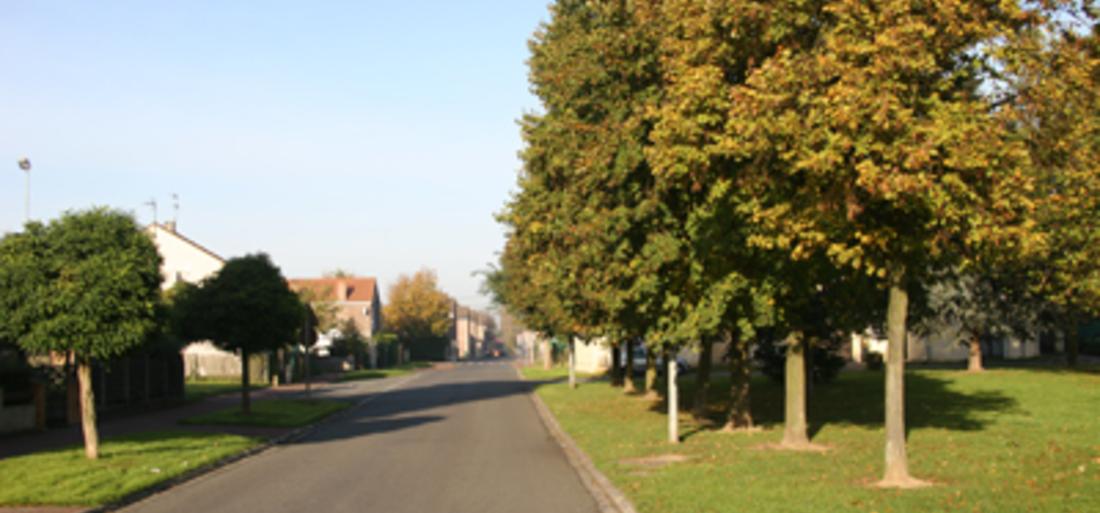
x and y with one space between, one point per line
272 413
1002 441
400 370
195 390
125 465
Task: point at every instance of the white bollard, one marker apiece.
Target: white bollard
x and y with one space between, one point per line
673 404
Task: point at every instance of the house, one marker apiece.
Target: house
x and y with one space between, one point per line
184 260
355 298
594 356
945 343
471 330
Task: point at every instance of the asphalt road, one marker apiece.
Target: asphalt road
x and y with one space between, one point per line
465 439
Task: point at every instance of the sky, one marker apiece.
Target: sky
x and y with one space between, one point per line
375 137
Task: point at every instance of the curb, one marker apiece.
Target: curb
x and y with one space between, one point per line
209 468
609 498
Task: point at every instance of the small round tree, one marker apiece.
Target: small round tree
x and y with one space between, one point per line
87 283
246 306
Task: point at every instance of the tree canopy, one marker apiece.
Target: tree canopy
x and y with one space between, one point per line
87 283
246 306
705 170
418 313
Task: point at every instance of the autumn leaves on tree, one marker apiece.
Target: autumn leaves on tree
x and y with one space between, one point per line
704 170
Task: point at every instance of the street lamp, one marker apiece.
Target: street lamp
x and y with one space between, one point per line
25 165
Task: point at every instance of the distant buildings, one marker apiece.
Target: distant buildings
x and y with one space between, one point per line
355 298
473 333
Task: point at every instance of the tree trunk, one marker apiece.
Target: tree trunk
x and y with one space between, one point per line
794 433
87 409
547 356
974 364
702 379
572 364
616 366
740 415
1073 341
246 384
651 375
673 403
628 380
897 461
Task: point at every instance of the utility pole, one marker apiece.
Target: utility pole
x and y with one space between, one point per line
25 165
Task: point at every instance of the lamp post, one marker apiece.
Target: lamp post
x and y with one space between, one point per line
452 348
25 165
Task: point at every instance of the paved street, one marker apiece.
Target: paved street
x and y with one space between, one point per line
463 439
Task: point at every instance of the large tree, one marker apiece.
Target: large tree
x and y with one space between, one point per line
246 306
579 218
1051 79
417 312
88 284
881 152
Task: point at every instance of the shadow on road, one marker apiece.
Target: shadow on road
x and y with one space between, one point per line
389 411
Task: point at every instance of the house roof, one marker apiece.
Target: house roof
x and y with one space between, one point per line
160 228
338 289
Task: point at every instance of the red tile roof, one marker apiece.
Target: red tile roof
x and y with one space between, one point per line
338 289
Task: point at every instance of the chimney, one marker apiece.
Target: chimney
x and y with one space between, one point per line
341 290
170 226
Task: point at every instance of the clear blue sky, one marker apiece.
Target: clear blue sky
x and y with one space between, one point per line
378 137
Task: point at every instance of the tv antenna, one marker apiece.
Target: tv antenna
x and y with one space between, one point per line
152 203
175 208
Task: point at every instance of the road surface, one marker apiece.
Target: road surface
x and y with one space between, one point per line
465 439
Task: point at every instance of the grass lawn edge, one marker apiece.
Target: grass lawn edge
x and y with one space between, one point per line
608 497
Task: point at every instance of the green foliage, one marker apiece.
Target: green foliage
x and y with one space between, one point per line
244 306
1052 74
349 341
88 282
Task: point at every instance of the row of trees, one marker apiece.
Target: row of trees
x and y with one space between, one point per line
89 284
726 171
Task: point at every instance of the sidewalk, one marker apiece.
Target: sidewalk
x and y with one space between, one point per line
168 419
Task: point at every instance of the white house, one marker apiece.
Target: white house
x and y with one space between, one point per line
944 344
183 259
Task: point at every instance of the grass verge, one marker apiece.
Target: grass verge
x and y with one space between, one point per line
1001 441
285 413
195 390
400 370
126 465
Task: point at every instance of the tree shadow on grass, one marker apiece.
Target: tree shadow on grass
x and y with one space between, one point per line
858 398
